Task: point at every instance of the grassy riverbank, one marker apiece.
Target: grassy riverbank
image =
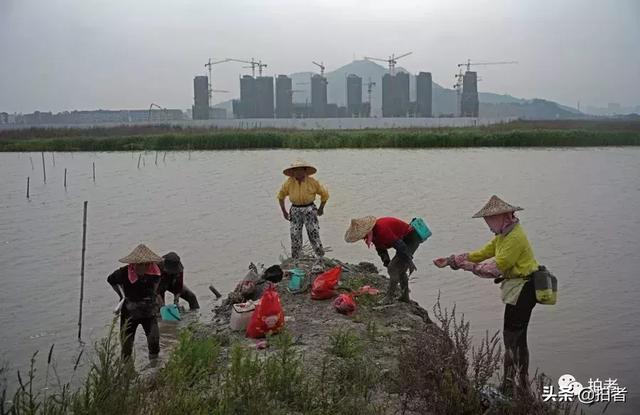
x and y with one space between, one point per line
383 359
167 138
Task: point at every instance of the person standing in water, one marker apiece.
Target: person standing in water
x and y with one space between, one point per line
302 190
137 283
172 280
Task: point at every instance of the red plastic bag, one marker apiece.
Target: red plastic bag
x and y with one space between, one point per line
345 304
268 317
323 286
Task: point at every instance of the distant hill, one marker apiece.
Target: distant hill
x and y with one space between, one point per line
444 99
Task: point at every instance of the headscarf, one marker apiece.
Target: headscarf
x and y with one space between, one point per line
501 224
152 269
369 239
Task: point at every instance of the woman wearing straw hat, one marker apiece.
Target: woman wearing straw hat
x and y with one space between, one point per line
513 264
302 190
385 233
137 284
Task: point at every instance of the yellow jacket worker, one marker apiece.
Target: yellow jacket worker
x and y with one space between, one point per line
302 190
513 263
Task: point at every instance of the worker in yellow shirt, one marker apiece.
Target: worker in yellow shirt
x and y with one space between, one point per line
512 263
302 190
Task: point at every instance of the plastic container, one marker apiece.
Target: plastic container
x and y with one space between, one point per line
241 314
421 228
297 279
170 312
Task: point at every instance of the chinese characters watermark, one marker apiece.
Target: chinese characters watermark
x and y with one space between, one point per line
597 391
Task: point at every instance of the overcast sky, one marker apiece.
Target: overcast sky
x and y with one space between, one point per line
60 55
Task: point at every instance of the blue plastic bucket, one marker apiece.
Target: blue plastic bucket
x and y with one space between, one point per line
297 278
421 228
170 312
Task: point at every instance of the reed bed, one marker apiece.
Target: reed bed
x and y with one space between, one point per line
154 140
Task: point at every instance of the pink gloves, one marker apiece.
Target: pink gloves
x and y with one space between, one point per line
487 270
461 261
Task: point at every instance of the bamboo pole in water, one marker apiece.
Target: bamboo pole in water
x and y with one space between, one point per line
31 161
53 156
28 179
65 178
164 157
94 171
139 157
44 168
84 245
156 158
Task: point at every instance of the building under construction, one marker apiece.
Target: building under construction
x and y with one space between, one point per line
424 95
284 97
469 103
395 95
318 96
256 98
200 109
355 107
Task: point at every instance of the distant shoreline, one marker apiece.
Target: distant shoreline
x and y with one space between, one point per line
570 133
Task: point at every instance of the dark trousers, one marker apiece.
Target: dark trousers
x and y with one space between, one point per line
128 328
398 267
516 322
188 296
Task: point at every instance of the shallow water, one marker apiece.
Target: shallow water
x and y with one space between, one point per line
218 211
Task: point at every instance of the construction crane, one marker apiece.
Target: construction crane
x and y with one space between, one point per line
253 64
208 65
319 65
159 107
460 77
391 61
469 64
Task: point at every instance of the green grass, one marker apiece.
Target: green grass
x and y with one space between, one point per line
518 134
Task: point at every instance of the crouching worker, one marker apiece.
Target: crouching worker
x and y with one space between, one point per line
137 284
513 263
386 233
172 280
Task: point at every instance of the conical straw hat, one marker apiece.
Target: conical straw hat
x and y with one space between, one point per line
141 255
359 228
299 163
496 206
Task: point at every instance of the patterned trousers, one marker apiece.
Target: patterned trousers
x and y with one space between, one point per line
307 216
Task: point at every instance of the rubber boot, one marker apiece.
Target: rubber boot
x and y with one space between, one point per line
523 366
509 369
404 288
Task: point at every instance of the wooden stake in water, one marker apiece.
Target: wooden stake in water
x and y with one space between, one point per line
65 178
164 157
28 187
31 161
139 157
44 168
84 245
156 158
94 171
53 156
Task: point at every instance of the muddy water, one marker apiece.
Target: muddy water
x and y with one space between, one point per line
218 210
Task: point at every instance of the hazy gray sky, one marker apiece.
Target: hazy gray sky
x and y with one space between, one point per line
87 54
